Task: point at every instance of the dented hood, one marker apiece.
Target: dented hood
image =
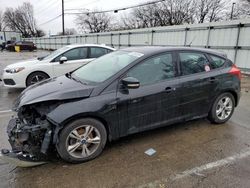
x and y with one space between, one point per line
60 88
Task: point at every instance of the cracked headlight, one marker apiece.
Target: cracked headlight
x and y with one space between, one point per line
14 70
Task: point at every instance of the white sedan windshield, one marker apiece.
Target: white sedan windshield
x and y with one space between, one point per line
106 66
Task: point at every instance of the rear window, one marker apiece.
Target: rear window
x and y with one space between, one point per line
216 62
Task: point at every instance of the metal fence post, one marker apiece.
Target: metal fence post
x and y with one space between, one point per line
49 46
185 37
129 39
111 39
61 42
97 39
68 39
240 25
152 37
4 36
119 40
208 36
55 43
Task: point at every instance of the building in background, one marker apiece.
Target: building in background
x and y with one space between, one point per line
9 35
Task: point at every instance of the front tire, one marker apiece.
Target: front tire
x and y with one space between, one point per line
82 140
222 109
36 77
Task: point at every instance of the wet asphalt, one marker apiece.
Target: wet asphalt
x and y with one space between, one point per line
191 154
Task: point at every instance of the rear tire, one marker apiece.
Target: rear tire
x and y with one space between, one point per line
222 109
82 140
36 77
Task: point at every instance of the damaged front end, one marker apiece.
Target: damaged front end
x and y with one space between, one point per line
31 133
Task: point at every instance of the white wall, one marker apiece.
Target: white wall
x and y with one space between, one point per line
232 37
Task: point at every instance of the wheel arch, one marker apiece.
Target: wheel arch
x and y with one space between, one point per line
212 117
231 91
87 115
33 73
234 95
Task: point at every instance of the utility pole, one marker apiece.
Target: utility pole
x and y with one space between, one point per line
232 11
63 30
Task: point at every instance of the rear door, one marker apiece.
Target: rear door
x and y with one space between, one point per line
75 58
198 83
95 52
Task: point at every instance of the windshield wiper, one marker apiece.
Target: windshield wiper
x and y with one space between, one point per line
77 79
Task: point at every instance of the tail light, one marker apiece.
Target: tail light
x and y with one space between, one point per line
235 71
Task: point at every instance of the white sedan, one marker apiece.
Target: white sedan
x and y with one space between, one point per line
59 62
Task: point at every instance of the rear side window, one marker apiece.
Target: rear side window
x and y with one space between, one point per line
96 52
192 62
216 62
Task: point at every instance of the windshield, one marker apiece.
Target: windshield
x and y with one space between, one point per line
106 66
55 53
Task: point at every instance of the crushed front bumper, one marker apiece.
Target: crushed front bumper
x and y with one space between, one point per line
26 151
19 159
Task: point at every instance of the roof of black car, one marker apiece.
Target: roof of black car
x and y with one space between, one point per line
150 50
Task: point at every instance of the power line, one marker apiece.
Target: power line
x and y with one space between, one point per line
83 5
46 8
96 12
116 10
50 20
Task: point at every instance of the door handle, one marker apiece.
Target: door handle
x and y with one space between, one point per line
169 89
132 101
212 79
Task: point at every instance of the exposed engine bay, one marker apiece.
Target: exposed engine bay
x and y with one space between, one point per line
31 133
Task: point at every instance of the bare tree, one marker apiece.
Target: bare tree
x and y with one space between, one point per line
178 11
171 12
22 19
1 21
40 33
94 22
242 9
209 10
68 31
127 22
148 16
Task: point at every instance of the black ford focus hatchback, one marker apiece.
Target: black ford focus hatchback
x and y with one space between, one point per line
122 93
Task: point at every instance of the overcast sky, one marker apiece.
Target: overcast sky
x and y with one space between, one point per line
47 9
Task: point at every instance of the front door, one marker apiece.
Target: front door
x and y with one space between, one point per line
156 100
75 58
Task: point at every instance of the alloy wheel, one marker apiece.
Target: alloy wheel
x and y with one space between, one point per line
37 78
83 141
224 108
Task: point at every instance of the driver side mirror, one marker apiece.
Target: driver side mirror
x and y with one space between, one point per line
63 59
130 83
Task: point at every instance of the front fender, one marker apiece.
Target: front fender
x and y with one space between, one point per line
100 107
